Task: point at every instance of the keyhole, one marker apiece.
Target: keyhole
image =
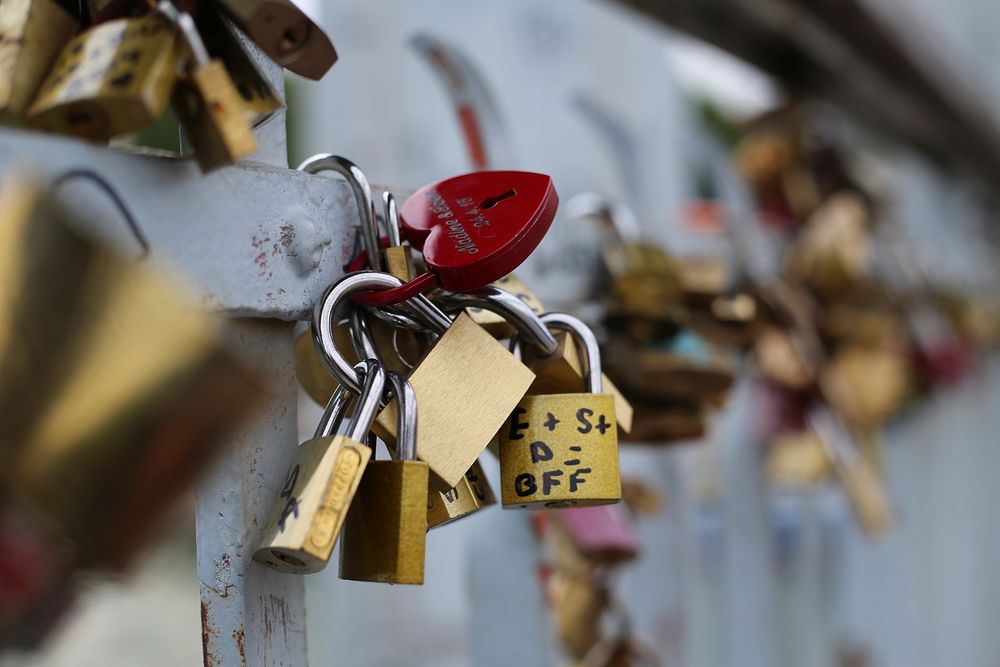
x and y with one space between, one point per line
490 202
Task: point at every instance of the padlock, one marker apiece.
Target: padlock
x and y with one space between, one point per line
797 459
260 100
866 385
322 481
674 422
386 530
464 367
31 34
111 80
206 102
833 252
561 450
472 494
578 603
601 533
117 433
284 32
779 359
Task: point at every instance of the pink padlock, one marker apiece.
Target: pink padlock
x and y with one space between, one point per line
600 532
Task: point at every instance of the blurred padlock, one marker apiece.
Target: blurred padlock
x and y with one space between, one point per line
111 80
833 251
601 533
32 32
797 459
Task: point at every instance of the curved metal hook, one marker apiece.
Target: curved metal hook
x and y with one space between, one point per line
528 325
101 182
406 416
362 195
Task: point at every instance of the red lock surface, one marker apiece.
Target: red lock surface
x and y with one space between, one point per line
473 229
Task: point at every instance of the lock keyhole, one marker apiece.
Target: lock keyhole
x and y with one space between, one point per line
490 202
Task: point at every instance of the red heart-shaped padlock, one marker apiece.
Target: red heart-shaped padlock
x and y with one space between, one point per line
473 229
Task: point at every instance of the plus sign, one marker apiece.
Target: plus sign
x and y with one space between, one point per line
551 422
603 425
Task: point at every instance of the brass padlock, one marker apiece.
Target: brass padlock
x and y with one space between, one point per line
865 385
207 104
284 33
116 433
32 32
464 367
561 450
386 530
322 480
111 80
833 251
472 494
259 99
665 424
797 458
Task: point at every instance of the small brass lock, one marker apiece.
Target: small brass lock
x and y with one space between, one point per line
111 80
322 481
207 104
865 385
833 252
561 450
32 32
386 530
797 459
472 494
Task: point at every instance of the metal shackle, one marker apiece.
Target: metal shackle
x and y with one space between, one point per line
367 404
582 336
406 416
325 316
188 30
362 195
528 324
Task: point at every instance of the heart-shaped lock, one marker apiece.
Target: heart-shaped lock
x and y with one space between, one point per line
473 229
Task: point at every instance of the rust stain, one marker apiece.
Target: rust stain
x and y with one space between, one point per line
208 658
238 636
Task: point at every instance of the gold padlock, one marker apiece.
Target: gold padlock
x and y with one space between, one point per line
561 450
322 481
284 33
866 385
116 433
833 251
665 424
797 458
464 367
259 99
472 494
111 80
31 34
207 104
386 530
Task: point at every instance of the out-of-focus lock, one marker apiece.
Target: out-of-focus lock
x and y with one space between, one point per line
284 33
561 450
865 385
386 530
797 458
107 420
601 534
322 480
31 34
833 252
111 80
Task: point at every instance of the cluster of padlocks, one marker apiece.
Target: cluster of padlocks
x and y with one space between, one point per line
105 69
428 342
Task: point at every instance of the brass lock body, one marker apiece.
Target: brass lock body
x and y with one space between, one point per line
117 433
472 494
833 252
866 386
466 387
797 459
322 480
673 422
32 32
386 530
111 80
561 450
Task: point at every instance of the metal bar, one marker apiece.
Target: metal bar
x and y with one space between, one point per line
849 52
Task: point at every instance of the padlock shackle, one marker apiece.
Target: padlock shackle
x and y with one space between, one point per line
362 195
326 316
618 217
406 416
188 30
366 404
583 337
526 322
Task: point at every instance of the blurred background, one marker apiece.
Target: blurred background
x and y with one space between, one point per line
736 568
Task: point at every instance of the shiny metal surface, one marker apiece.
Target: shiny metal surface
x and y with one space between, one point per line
528 325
